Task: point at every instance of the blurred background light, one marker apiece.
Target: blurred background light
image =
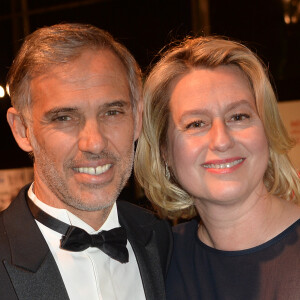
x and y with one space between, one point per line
291 11
7 90
2 92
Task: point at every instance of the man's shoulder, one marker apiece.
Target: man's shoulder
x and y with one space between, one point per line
11 219
142 225
17 204
139 215
136 212
144 219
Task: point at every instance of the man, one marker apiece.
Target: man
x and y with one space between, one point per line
77 109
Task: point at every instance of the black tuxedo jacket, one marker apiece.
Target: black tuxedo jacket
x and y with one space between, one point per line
28 270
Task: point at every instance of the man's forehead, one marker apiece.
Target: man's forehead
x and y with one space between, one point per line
101 59
92 68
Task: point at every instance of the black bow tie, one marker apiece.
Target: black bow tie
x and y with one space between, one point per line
112 242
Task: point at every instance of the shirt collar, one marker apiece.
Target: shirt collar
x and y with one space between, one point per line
64 215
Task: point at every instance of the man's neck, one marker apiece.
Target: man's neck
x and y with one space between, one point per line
94 219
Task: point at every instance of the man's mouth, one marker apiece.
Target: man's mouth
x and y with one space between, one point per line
93 171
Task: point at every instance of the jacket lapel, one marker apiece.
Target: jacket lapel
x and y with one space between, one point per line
143 241
31 268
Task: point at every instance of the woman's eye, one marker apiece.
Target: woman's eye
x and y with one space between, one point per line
240 117
195 124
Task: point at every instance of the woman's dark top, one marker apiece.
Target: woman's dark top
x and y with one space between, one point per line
270 271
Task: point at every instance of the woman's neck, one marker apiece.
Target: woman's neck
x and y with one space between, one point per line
239 226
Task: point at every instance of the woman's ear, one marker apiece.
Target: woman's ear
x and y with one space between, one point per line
19 129
164 153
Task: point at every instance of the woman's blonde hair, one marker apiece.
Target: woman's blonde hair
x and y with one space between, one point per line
280 178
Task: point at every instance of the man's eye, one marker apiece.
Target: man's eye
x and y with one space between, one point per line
240 117
62 118
195 124
112 113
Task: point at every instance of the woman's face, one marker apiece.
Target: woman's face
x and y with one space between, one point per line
216 145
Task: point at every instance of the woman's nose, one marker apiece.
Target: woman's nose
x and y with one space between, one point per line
221 138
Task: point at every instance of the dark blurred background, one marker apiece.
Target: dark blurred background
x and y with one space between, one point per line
269 27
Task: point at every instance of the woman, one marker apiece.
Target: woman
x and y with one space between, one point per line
213 145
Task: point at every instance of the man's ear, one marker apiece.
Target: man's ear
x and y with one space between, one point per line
138 119
19 129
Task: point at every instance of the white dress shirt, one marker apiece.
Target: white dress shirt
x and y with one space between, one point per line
91 274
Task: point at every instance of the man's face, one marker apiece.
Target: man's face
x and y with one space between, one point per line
82 132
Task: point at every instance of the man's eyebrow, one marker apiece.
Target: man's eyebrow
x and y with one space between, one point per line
58 110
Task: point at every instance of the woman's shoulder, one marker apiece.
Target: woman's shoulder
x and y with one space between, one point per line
186 230
183 226
289 214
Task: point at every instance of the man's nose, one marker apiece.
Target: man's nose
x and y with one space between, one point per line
91 138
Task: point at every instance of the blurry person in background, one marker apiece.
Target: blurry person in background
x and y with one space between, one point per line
76 96
213 146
